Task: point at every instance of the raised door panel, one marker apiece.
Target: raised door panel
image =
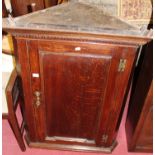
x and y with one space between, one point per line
74 86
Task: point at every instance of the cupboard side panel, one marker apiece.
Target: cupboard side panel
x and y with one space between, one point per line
121 83
23 69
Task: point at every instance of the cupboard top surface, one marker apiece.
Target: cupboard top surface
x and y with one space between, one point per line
76 17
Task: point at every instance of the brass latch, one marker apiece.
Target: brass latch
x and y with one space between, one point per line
37 95
122 65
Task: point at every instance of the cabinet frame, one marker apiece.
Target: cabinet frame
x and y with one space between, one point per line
28 50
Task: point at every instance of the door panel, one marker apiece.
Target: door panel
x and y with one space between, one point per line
73 86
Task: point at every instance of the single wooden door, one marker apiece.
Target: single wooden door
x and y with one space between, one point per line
73 86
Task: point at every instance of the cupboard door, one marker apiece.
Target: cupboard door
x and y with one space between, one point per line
73 90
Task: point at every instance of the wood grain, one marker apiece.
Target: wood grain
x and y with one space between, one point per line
139 127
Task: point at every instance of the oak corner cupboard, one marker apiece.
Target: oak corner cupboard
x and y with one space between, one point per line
75 63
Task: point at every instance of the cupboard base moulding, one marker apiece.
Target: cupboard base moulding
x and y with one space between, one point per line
69 147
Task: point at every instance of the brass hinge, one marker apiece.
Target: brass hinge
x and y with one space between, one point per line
104 138
122 65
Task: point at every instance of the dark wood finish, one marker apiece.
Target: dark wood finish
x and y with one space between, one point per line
9 52
4 115
4 11
19 46
21 7
139 124
80 80
73 80
62 74
13 98
49 3
97 38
